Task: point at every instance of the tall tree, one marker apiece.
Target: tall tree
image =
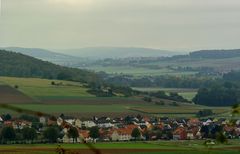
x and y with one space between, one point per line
51 134
73 133
94 132
29 133
8 133
136 134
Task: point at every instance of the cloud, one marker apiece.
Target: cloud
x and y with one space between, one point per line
168 24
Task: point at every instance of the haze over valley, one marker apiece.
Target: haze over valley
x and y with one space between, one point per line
119 76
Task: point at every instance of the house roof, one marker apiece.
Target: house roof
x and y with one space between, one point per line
193 121
179 130
127 130
84 133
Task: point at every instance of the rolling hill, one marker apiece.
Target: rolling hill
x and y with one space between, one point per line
46 55
206 62
19 65
118 52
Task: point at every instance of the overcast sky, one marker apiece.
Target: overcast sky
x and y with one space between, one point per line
164 24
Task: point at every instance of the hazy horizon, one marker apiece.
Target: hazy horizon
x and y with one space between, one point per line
185 25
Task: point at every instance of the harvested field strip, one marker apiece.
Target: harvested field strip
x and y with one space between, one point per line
174 110
12 95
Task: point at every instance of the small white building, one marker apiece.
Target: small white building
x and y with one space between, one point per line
88 124
78 123
106 125
43 120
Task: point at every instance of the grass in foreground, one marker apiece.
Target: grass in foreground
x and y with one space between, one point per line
169 147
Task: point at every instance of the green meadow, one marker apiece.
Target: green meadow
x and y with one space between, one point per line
169 147
42 88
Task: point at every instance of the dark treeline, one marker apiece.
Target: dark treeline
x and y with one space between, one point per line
162 81
215 54
226 94
232 76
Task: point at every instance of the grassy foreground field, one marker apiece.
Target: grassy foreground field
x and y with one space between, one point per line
169 147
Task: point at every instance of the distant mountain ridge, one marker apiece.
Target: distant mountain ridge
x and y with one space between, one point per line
46 55
118 52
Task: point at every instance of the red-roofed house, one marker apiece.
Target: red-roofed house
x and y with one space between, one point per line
180 134
122 134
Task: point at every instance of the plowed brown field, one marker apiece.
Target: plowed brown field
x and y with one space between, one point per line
12 95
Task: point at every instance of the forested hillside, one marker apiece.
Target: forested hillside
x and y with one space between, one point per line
19 65
215 54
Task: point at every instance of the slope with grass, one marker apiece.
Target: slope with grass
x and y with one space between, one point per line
46 89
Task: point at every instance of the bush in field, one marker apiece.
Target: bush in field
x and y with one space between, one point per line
221 138
204 113
53 83
174 104
147 99
160 103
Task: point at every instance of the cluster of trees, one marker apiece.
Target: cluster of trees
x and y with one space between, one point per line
49 135
101 92
110 90
171 96
211 132
27 134
163 95
226 94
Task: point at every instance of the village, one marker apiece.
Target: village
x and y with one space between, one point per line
122 129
